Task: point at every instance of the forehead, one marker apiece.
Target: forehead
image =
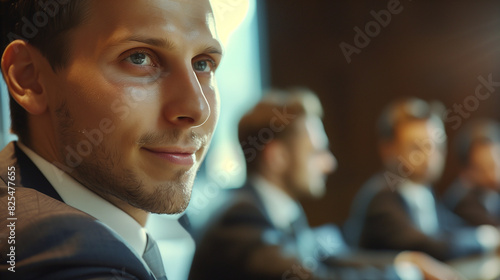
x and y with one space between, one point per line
416 129
193 19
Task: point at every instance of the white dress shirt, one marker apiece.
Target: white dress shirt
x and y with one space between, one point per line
282 209
422 206
83 199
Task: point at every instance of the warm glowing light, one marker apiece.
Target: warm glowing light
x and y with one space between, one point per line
228 16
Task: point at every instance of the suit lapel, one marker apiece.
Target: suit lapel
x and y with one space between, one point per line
248 191
298 239
26 173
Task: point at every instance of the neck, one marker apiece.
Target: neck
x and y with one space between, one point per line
278 182
139 215
44 143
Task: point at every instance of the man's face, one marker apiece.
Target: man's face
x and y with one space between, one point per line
311 160
134 111
484 165
417 148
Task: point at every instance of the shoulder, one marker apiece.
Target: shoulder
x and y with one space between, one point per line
376 184
49 235
381 186
244 208
455 193
385 198
241 217
239 238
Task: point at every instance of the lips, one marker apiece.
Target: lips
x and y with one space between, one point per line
180 156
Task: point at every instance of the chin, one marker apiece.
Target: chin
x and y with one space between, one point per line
166 198
167 206
318 195
316 192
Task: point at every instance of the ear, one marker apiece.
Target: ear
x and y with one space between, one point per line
277 156
21 66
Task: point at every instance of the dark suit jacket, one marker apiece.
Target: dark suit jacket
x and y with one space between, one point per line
53 240
243 243
381 219
469 204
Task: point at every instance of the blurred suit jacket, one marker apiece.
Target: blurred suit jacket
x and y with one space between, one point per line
475 205
54 241
381 219
243 243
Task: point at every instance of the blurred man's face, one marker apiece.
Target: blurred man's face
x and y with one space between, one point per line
311 159
134 111
416 147
484 165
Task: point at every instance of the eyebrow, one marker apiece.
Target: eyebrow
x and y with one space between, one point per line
213 50
165 43
156 42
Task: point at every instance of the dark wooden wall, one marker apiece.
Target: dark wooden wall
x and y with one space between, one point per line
430 49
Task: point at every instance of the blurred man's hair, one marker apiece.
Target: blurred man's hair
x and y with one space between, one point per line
475 132
269 115
44 24
403 111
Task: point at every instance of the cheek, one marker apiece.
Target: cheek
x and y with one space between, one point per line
316 167
306 169
98 92
135 103
490 173
134 110
88 96
117 112
82 115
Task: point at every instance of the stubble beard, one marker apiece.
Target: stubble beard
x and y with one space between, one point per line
166 198
103 173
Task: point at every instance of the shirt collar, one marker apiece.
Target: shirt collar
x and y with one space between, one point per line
282 209
422 204
76 195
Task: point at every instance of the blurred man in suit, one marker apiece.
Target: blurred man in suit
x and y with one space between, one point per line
262 232
474 195
396 209
114 104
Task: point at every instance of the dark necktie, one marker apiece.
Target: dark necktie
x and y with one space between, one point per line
152 257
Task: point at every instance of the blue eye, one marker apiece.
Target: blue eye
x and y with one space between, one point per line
206 66
140 58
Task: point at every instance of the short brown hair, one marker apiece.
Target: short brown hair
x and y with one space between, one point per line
44 25
273 117
475 132
406 110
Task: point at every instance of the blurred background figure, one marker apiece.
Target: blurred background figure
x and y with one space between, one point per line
262 232
396 209
474 195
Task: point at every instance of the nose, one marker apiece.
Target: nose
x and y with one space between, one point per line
185 103
329 162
